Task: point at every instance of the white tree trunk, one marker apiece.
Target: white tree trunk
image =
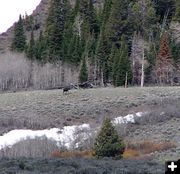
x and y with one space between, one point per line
142 68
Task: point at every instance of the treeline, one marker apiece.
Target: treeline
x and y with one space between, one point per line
100 40
18 73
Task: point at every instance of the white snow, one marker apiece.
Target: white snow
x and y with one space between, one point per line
69 136
130 118
64 136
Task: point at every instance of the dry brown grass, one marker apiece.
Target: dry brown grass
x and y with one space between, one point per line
73 154
139 149
133 150
130 153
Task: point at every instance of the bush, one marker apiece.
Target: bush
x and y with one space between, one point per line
108 143
146 147
73 154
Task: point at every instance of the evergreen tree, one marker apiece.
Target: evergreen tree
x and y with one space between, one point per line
108 143
106 12
31 47
177 11
76 8
118 21
143 17
83 76
40 48
165 7
175 49
83 8
92 19
103 51
122 67
151 55
19 40
55 25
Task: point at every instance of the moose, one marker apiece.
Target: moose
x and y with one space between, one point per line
66 89
84 85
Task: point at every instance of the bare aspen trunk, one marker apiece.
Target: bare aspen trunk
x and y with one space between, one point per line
102 79
126 81
142 69
62 74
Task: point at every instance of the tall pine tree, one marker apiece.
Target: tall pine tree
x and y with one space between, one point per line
55 25
118 21
177 11
31 47
40 48
122 69
83 76
19 39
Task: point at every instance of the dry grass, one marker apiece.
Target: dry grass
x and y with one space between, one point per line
140 149
73 154
130 153
46 109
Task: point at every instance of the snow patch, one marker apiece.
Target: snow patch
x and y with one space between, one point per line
65 136
130 118
69 136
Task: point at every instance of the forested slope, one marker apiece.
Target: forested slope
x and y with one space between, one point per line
110 41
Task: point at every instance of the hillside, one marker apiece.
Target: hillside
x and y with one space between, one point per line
96 33
49 109
102 51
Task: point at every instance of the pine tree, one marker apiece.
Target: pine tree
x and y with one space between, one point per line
19 40
103 51
55 25
40 48
143 17
108 143
106 12
83 76
175 49
164 62
92 19
121 66
31 47
83 8
118 21
164 7
177 12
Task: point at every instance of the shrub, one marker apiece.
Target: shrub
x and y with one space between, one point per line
146 147
22 165
72 154
108 143
130 153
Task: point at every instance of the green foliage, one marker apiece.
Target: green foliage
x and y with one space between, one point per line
164 7
93 19
19 39
118 21
106 11
40 48
177 11
29 22
103 51
175 49
84 31
54 28
142 16
108 143
31 47
83 76
122 67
